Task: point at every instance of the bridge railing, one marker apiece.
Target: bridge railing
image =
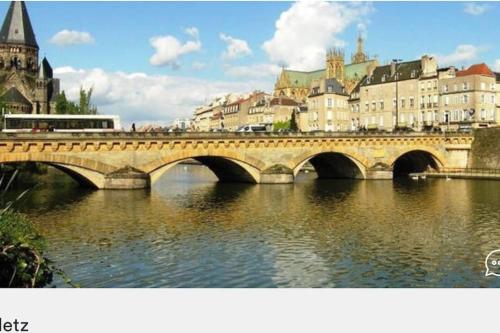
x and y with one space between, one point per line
221 135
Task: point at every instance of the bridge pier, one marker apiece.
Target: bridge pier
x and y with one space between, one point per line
126 178
379 174
277 174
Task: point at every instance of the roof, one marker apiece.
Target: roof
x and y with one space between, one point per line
357 71
45 70
382 74
14 96
477 69
16 28
283 101
332 86
303 79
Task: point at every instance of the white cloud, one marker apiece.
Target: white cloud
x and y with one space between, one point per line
236 48
304 31
71 37
169 49
193 32
256 71
475 9
497 65
148 99
464 54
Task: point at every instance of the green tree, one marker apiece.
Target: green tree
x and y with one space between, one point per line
84 105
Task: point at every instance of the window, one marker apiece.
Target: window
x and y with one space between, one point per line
329 115
383 78
374 106
402 103
445 88
367 107
483 86
483 114
446 100
412 102
465 86
329 102
482 98
455 87
394 103
381 105
465 99
493 99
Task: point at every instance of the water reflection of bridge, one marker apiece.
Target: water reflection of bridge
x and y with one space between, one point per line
135 160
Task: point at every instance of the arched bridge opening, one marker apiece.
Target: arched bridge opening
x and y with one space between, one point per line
225 169
335 165
84 178
415 161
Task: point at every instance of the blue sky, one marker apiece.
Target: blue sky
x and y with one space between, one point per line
205 49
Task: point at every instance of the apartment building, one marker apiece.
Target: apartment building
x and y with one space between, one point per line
327 108
470 96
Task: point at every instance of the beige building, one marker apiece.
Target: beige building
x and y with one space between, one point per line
390 95
258 109
201 119
327 108
231 115
469 96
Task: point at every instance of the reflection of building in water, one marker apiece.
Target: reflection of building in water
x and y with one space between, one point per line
29 86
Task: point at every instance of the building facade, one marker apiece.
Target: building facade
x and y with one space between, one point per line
327 108
27 85
419 96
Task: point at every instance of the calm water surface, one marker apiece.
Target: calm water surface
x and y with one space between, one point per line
190 231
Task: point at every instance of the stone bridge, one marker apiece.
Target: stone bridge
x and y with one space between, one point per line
136 160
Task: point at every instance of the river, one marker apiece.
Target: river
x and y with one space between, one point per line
191 231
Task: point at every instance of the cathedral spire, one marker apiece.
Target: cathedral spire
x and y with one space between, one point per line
360 55
16 28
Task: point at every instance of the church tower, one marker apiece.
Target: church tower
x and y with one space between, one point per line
26 86
335 64
18 46
360 56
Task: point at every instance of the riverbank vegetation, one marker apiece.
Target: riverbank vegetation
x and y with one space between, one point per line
22 260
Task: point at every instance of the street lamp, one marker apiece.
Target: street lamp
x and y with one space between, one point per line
396 62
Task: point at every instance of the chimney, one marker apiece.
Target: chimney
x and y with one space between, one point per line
393 68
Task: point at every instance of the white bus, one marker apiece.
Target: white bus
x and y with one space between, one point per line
60 123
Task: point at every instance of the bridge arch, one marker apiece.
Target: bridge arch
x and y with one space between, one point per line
229 167
417 159
85 171
333 164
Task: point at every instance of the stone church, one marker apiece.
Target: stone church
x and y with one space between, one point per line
297 84
26 85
